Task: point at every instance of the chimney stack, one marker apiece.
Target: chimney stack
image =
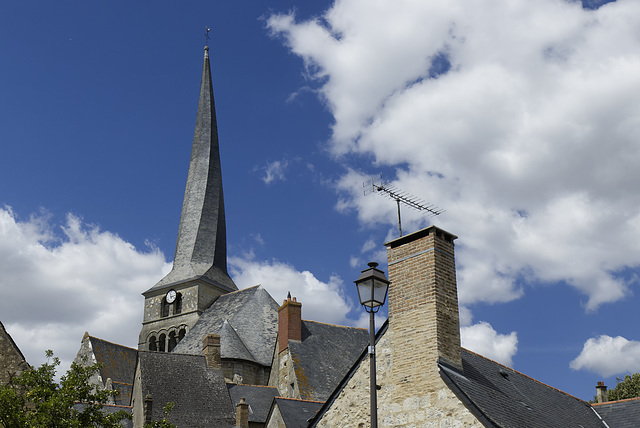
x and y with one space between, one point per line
242 414
289 322
601 392
423 299
148 405
211 350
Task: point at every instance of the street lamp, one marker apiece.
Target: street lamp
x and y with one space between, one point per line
372 290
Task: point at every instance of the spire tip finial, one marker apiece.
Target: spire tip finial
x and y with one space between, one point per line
206 37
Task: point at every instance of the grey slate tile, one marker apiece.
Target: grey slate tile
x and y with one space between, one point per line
620 414
324 356
259 399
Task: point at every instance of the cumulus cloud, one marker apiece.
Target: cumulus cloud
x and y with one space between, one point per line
484 340
60 282
526 135
608 356
321 301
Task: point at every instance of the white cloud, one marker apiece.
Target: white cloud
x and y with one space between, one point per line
280 278
274 171
608 356
481 338
57 286
528 141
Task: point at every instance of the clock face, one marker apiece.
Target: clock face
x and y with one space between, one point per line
171 296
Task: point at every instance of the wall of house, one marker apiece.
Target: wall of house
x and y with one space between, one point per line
423 329
275 420
244 372
401 404
12 362
283 375
85 357
137 400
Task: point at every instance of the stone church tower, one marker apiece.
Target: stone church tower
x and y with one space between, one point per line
199 273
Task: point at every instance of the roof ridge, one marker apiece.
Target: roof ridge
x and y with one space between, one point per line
235 332
335 325
616 401
300 399
253 386
112 343
524 375
240 289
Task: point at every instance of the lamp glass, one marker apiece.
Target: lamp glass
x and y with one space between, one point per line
372 292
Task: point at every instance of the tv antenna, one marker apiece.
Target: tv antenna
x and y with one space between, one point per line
377 185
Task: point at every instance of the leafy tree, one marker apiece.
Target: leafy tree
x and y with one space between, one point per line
628 388
34 399
164 423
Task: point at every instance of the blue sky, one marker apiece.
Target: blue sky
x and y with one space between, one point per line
518 118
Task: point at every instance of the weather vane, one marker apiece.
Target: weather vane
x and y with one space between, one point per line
206 36
376 185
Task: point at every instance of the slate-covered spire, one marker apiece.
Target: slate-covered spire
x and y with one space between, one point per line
201 250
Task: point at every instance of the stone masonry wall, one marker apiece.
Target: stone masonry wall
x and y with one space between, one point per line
12 362
400 405
423 327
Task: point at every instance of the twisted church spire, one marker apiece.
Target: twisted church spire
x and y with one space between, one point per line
201 249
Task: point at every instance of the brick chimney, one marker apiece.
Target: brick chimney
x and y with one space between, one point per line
242 414
423 300
601 392
289 322
211 350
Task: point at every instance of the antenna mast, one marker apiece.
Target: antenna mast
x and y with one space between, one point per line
377 185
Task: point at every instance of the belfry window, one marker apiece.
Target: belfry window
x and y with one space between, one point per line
178 304
165 307
153 346
161 342
172 341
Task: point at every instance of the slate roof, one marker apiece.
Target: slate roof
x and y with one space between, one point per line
259 399
620 414
296 413
247 322
324 356
199 393
117 363
502 397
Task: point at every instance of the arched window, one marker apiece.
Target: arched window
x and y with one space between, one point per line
161 342
165 307
172 341
181 334
153 346
178 303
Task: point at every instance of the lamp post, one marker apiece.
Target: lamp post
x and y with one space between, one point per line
372 287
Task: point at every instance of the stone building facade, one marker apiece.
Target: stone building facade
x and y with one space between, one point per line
12 362
423 329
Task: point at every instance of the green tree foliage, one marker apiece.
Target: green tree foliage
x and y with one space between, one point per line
628 388
35 399
164 423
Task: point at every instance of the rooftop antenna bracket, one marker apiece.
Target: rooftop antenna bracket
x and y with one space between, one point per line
377 185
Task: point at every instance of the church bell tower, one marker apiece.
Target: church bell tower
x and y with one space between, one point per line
199 274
